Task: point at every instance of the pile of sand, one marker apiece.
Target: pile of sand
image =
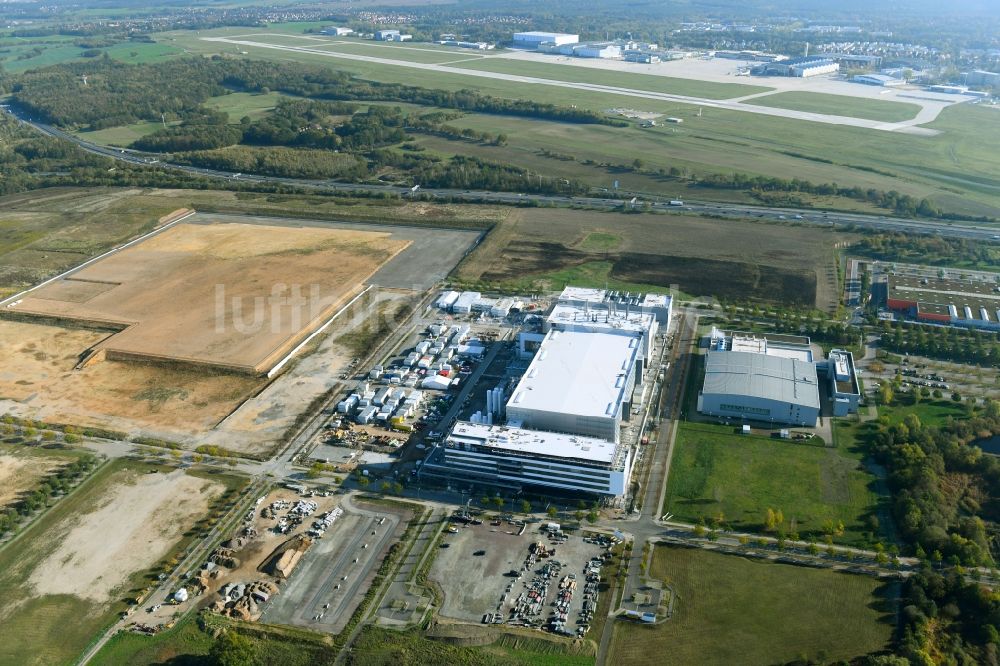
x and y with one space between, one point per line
133 527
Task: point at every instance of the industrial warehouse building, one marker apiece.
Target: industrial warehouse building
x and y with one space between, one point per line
798 67
564 416
533 39
969 303
767 379
878 80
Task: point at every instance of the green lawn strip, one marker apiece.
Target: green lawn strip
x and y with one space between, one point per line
839 105
717 471
425 54
589 274
646 82
383 647
730 610
140 52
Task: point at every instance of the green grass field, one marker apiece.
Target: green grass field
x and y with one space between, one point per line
138 52
599 241
186 641
123 135
731 610
930 412
717 471
238 105
589 274
839 105
54 628
582 74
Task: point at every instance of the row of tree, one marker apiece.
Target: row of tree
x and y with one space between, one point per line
942 342
54 484
934 250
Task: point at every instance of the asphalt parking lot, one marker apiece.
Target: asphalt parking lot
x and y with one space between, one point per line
335 573
477 585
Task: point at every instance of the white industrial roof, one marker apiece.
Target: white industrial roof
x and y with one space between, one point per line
761 376
579 373
583 294
537 33
534 442
600 318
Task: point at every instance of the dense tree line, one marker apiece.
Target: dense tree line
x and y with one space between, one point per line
279 161
943 342
119 94
943 487
115 93
934 250
901 204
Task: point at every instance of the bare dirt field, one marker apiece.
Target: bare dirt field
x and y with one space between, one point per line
133 526
73 569
703 257
38 380
231 295
20 469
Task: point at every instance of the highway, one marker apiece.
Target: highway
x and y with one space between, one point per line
596 199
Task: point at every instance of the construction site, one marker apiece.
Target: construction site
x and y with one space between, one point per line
299 557
177 333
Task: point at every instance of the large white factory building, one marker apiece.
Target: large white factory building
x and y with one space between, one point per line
563 418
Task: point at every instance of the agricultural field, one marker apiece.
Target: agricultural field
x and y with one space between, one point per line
840 105
135 291
69 574
548 248
716 471
731 610
43 233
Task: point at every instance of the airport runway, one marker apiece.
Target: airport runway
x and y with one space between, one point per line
926 115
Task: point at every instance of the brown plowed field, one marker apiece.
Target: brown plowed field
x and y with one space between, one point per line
235 296
727 259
